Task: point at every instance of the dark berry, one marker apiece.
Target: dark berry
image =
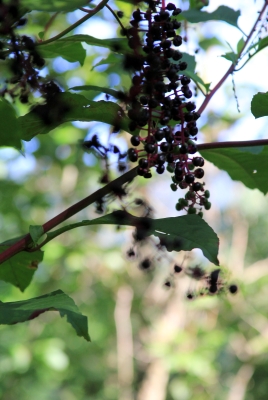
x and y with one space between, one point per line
171 7
165 147
183 65
233 289
161 159
132 155
177 41
147 175
143 163
140 171
177 11
120 14
185 81
189 178
198 161
184 149
177 269
197 186
199 173
149 148
135 141
160 169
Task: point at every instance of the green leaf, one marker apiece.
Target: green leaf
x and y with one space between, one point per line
36 232
231 57
209 42
240 45
245 164
191 63
21 311
70 51
262 43
223 13
19 269
118 45
112 59
111 92
9 126
179 233
198 80
79 109
259 105
53 5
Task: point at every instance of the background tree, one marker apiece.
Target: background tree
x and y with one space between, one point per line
148 342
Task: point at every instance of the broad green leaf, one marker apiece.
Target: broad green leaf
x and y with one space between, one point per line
9 126
262 43
79 109
53 5
191 63
177 233
245 164
198 4
114 59
223 13
231 57
19 269
21 311
70 51
118 45
259 105
99 89
36 232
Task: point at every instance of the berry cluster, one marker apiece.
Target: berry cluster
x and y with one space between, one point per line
159 106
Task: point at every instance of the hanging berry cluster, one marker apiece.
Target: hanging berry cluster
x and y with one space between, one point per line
159 106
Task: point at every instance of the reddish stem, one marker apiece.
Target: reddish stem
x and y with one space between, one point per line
232 67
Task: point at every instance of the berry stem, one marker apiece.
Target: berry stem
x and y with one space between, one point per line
232 67
24 243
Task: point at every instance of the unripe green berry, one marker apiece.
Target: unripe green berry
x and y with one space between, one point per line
207 194
207 205
170 169
179 207
173 187
191 210
183 202
191 167
200 214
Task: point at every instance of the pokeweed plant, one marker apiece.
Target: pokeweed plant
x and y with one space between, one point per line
157 111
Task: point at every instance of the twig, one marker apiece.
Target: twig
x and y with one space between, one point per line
76 24
232 67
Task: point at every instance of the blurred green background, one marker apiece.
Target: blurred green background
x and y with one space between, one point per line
148 343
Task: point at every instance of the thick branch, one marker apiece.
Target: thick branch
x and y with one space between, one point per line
223 145
232 67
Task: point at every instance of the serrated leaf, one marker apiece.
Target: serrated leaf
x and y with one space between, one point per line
259 105
70 51
245 164
53 5
9 126
111 92
179 233
231 57
222 13
19 269
21 311
36 232
118 45
79 109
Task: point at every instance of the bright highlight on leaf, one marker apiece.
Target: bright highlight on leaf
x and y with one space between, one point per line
21 311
